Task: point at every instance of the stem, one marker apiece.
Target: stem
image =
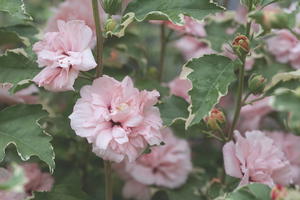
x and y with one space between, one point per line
100 39
239 99
240 102
163 44
108 180
255 100
294 33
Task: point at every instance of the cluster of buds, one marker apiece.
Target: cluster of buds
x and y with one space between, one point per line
271 19
215 119
241 46
257 84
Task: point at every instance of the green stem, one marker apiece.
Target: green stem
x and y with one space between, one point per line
294 33
239 100
163 45
100 39
108 180
255 100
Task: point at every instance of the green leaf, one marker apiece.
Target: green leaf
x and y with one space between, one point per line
286 80
171 9
289 101
252 191
211 76
68 189
19 126
15 8
172 109
15 67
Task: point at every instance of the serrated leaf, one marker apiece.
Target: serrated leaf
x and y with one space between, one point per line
172 10
211 76
15 8
289 101
286 80
15 67
68 189
19 126
254 191
24 31
172 109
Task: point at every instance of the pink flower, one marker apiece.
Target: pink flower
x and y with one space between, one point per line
23 96
281 45
166 166
36 181
74 10
295 56
64 54
192 47
118 119
256 158
191 26
289 144
252 115
180 87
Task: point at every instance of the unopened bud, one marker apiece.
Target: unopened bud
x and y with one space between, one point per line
241 46
270 19
110 25
112 7
278 193
257 84
215 119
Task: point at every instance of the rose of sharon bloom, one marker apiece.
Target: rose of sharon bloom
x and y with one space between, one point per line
180 87
289 144
36 181
23 96
166 166
64 54
256 158
252 115
118 119
281 45
74 10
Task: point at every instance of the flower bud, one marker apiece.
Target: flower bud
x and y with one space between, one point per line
241 46
271 19
110 25
112 7
215 119
278 193
257 84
